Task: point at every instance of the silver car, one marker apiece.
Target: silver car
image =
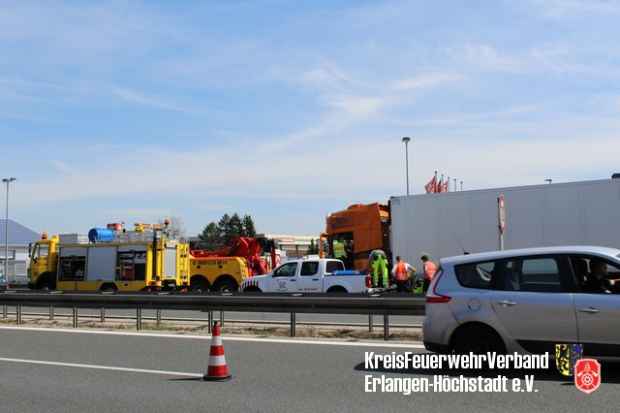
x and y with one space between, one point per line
526 300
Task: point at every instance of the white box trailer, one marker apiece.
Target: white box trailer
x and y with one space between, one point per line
447 224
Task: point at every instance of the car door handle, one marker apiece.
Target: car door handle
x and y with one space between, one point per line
506 303
589 310
315 279
292 280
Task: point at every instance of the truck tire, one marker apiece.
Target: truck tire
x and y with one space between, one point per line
46 282
198 284
336 290
225 284
108 288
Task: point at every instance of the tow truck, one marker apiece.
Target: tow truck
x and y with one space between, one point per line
226 268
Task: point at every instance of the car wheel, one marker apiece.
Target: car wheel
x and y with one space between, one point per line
478 340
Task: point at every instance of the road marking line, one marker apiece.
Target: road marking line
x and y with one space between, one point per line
414 345
99 367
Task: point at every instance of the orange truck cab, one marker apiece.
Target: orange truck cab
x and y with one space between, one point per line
350 235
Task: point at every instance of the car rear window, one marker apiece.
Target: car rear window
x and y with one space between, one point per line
477 275
539 274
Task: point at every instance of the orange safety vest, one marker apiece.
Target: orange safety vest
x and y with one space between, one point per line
429 270
401 272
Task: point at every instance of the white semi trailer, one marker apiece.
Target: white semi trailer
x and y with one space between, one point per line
447 224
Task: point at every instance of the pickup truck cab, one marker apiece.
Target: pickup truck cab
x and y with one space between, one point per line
314 275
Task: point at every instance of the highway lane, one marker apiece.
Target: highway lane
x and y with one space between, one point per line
268 376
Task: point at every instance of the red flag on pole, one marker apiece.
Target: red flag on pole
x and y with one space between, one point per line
431 186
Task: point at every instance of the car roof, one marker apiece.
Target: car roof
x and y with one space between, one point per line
310 259
567 249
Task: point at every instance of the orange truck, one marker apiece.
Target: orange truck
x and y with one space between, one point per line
352 234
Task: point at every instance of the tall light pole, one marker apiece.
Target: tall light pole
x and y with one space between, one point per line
7 181
406 140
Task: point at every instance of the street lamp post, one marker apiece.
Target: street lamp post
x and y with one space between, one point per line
406 140
7 181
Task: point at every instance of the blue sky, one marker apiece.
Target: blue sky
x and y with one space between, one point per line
286 110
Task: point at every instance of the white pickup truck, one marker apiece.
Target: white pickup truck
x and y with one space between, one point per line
320 275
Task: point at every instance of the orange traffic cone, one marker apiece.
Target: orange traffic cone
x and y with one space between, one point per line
218 369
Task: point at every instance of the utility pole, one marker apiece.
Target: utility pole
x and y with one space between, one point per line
7 181
406 140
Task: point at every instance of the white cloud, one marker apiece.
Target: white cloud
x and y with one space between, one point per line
332 166
427 80
133 96
564 8
326 77
358 106
62 167
546 58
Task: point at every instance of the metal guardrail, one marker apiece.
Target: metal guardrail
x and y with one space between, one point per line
273 303
103 316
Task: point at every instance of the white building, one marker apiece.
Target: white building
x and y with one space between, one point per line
294 245
19 237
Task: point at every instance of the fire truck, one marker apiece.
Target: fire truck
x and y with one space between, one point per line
110 259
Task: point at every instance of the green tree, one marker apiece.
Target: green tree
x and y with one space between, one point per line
224 225
313 248
248 226
234 228
211 237
216 235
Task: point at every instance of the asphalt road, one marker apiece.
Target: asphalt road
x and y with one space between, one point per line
268 377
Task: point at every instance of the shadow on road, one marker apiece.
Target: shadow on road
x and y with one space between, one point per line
610 373
187 379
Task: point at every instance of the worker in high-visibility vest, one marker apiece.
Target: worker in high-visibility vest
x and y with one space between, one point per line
383 271
379 268
401 273
429 270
